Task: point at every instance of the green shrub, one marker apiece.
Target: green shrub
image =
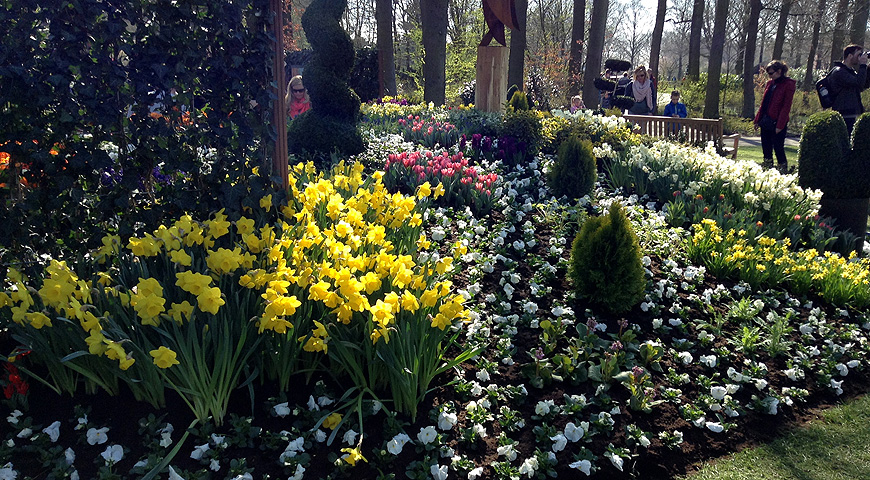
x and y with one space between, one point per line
859 160
523 126
573 173
824 157
334 104
606 267
518 102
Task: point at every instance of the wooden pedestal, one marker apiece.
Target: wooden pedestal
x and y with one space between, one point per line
492 71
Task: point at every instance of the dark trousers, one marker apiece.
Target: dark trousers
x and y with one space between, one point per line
773 142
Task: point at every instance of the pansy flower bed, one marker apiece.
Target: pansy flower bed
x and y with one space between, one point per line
366 333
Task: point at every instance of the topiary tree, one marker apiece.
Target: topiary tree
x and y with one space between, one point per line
330 125
824 153
573 173
826 162
606 266
519 102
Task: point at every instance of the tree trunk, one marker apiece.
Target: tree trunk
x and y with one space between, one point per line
693 70
595 50
859 22
780 29
433 23
749 69
839 31
575 59
817 26
386 57
656 45
516 62
714 70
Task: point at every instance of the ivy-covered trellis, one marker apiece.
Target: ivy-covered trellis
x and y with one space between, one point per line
107 106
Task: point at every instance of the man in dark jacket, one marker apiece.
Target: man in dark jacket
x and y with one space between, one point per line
848 79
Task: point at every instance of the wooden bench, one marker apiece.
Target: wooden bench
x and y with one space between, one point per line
692 130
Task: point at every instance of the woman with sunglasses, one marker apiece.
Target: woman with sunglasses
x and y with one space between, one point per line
773 115
297 97
641 88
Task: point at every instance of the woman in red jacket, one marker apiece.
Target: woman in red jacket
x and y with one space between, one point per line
772 117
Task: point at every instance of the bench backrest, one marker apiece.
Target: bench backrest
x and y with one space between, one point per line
696 130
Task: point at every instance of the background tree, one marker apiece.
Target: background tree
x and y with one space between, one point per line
749 70
433 23
811 59
858 30
632 37
694 61
714 70
597 25
656 42
386 57
784 10
575 59
517 60
839 32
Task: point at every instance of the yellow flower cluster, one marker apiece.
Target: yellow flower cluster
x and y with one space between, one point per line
337 246
842 281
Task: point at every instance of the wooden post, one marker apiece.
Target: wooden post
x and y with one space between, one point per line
491 86
279 118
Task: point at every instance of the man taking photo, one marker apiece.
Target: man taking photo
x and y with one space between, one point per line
847 80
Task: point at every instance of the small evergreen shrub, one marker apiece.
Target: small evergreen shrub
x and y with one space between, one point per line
573 173
467 92
518 102
525 127
823 157
606 267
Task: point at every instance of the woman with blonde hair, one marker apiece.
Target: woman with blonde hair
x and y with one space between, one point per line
297 97
643 92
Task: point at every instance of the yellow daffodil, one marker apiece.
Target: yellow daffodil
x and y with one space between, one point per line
353 456
164 357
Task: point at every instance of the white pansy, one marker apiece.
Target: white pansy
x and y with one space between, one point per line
13 418
842 369
113 454
173 475
282 409
573 432
214 465
53 431
714 427
7 472
543 407
616 460
446 420
718 392
312 404
475 473
836 385
198 451
165 439
349 437
427 435
584 466
479 430
439 472
320 436
559 442
685 357
482 375
398 442
507 451
297 475
529 467
708 360
97 436
69 455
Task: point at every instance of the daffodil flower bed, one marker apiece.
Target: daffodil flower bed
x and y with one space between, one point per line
196 305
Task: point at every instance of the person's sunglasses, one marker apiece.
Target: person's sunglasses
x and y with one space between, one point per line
298 90
771 72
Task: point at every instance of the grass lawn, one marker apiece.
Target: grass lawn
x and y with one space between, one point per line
832 448
754 154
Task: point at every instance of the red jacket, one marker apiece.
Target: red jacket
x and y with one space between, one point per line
780 103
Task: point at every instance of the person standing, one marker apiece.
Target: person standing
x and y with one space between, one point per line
641 89
773 115
297 97
847 79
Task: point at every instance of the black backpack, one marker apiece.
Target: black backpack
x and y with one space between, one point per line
824 90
